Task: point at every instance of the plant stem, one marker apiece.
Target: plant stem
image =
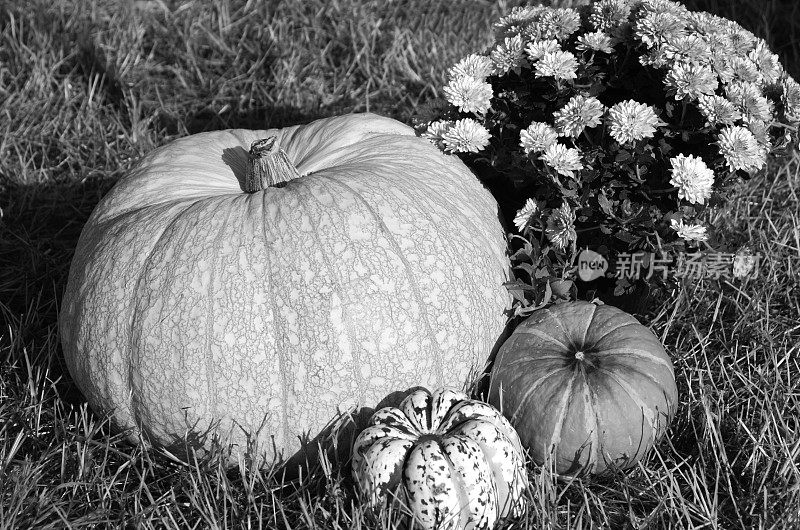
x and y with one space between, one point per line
268 165
683 112
585 133
666 190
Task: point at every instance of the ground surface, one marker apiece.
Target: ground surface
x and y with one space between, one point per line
85 90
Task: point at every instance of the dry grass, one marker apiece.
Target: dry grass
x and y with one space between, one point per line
86 89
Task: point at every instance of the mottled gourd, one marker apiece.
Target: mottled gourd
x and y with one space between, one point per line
450 461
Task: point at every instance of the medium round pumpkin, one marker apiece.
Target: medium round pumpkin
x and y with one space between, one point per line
587 382
452 461
359 261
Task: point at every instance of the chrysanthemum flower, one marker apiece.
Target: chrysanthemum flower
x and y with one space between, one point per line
760 130
518 18
561 226
692 177
721 53
767 62
579 112
596 41
741 69
509 55
690 80
658 28
565 160
717 110
657 57
473 65
704 23
689 232
435 130
466 136
740 38
630 121
665 6
689 49
560 65
559 24
749 99
537 137
469 94
609 15
526 213
741 149
790 98
536 49
519 15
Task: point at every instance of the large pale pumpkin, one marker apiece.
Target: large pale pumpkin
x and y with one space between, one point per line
359 262
586 382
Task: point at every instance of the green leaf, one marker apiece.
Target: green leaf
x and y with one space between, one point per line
527 267
627 237
605 204
623 156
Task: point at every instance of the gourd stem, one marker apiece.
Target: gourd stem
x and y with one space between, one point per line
268 165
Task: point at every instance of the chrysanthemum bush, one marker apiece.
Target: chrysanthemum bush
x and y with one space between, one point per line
619 126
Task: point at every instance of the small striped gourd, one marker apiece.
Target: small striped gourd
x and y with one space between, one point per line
253 295
586 385
453 462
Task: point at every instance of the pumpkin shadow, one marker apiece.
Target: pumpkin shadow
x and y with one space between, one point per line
480 388
330 451
40 224
266 117
236 159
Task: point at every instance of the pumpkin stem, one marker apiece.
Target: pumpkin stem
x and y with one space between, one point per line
268 165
